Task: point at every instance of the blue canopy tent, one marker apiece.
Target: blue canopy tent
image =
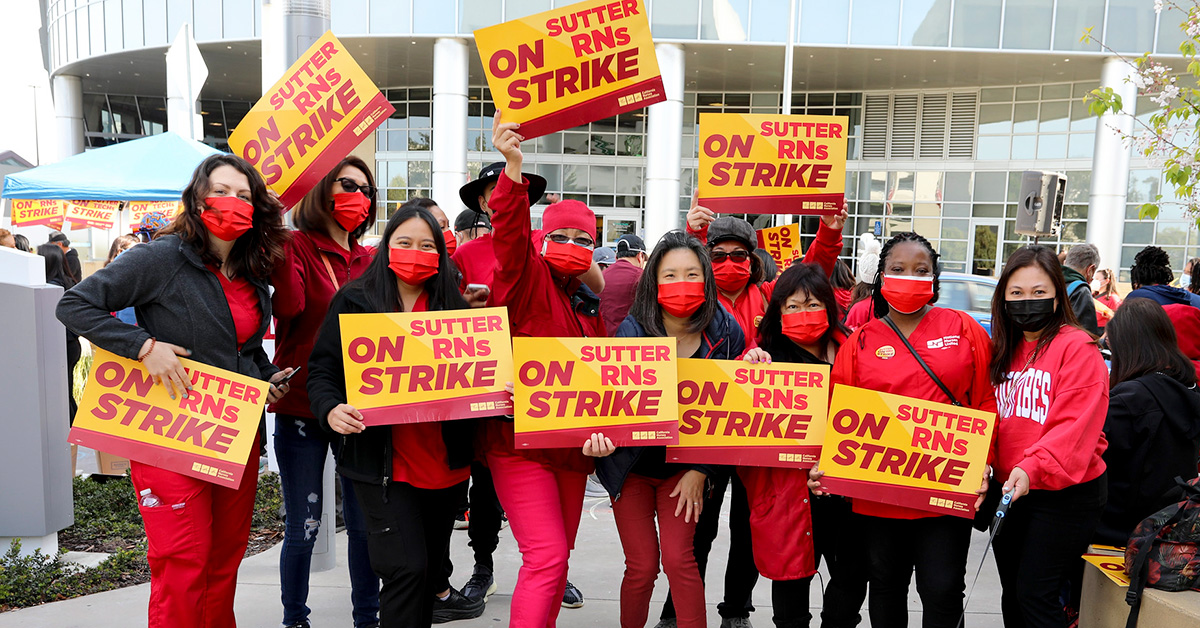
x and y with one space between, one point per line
154 168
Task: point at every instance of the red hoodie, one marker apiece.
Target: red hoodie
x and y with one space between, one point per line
476 260
1052 413
303 289
1186 320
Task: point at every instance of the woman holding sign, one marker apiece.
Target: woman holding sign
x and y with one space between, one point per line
199 290
409 478
886 355
676 297
322 255
1052 390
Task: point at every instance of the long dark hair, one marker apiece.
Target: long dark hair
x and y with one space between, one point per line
1194 285
378 283
880 303
311 212
1151 267
812 281
646 309
1143 341
256 252
56 266
842 277
1006 337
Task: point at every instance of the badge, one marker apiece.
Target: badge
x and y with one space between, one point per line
885 352
757 321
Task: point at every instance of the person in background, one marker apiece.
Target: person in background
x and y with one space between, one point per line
56 274
469 225
1079 268
60 239
1151 278
7 239
1153 423
119 245
200 290
1190 280
861 307
604 257
770 268
22 243
431 206
843 287
322 255
1052 395
621 280
150 225
1104 291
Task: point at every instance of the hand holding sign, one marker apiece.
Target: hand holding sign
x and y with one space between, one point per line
598 446
345 419
837 221
161 362
698 217
506 140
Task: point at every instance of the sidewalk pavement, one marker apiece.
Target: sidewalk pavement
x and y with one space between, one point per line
596 568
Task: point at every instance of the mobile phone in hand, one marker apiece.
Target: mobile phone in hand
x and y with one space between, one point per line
287 377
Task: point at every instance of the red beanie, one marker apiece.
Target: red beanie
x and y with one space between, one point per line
569 214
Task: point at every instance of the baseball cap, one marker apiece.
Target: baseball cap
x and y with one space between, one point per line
630 242
604 255
471 220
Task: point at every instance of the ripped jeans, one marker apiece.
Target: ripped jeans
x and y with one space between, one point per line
300 446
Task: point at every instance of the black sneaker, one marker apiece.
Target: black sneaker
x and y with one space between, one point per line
481 586
572 598
299 624
456 607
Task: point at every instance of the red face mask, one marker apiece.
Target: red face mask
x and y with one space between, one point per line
227 217
732 276
567 259
907 294
350 209
413 266
805 328
451 242
681 299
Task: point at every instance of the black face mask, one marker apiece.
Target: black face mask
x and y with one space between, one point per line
1031 314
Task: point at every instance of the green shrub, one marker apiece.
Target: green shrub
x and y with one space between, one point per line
268 503
83 368
105 512
40 578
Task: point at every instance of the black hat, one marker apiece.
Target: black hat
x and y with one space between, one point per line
630 243
471 220
58 236
729 228
471 192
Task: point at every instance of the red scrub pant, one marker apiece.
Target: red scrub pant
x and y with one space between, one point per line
543 505
196 540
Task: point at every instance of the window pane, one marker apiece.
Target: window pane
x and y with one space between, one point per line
992 147
153 112
1025 118
977 24
1024 146
765 23
1027 24
206 21
873 22
154 21
1053 117
431 17
995 119
1052 147
925 23
387 16
514 9
238 17
350 16
725 20
1143 186
675 19
477 14
989 186
1081 146
1074 17
1169 33
823 22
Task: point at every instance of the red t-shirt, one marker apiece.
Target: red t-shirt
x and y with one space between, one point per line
419 454
476 260
244 306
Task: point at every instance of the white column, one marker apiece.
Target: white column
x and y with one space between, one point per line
1110 167
450 71
664 133
68 114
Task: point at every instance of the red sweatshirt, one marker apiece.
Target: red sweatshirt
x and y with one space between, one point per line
1186 320
538 303
875 358
303 289
1052 413
476 260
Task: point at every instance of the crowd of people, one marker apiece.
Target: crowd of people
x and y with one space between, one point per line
1084 451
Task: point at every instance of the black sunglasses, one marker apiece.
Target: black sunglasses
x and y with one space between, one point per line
349 185
737 256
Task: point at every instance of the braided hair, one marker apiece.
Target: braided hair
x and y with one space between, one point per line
881 304
1151 267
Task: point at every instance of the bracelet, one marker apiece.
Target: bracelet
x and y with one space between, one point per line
153 341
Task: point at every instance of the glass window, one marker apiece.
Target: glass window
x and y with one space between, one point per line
602 180
1061 91
1143 186
206 21
1030 92
154 22
995 119
925 23
478 14
990 186
958 186
389 16
1074 17
823 22
431 17
1024 146
1169 33
765 21
958 210
977 24
1025 118
350 16
1079 184
153 112
1052 147
954 229
514 9
996 94
992 147
1053 117
953 294
1081 118
238 17
124 115
575 178
1027 24
1081 146
873 22
928 186
725 20
675 19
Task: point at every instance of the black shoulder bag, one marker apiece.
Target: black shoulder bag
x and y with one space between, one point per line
953 399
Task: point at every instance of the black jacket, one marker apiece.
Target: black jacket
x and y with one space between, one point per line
722 340
366 456
1153 432
177 300
73 265
1081 300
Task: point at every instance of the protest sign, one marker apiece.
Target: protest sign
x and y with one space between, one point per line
782 243
761 415
96 214
569 66
206 435
568 388
139 209
1111 566
418 367
772 164
28 212
318 111
904 451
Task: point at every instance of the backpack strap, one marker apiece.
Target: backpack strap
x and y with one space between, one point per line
1139 571
936 380
1073 285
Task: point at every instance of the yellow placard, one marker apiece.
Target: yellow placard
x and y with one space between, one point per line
95 214
207 435
417 367
905 451
569 66
29 212
568 388
772 164
1111 566
139 209
318 111
762 415
782 243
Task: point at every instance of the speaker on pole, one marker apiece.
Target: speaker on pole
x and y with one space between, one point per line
1039 209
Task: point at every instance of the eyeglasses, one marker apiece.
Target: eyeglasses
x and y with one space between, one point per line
736 256
559 238
349 185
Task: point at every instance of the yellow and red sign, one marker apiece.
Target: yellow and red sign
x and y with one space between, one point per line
782 243
208 435
569 66
138 209
1111 566
772 164
28 212
904 451
420 367
96 214
317 112
760 415
568 388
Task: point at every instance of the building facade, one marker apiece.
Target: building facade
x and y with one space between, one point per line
949 101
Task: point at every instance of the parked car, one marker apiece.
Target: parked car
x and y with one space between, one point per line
969 293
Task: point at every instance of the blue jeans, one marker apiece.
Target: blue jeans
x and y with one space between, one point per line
300 446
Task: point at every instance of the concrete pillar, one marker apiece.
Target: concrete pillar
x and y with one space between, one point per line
450 71
1110 167
68 114
664 132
